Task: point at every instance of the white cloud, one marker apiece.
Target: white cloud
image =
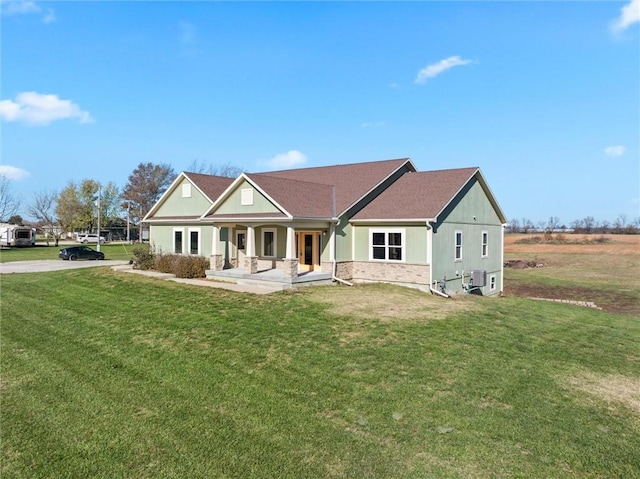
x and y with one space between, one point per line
436 69
19 7
38 109
617 150
288 160
629 14
12 173
25 7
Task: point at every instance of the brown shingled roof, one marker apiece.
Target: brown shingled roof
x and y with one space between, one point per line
211 185
417 195
351 182
298 198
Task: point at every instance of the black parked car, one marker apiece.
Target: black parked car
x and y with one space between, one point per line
80 252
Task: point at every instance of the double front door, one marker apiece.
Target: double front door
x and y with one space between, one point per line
309 247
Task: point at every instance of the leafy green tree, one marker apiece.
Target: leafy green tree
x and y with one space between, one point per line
16 220
68 208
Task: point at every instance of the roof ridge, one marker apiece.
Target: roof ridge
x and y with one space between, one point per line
332 166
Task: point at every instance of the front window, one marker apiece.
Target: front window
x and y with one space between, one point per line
387 245
269 242
492 283
194 242
177 241
458 245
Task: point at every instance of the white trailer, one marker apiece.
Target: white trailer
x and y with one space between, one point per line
15 235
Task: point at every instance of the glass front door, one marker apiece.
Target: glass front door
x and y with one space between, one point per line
309 250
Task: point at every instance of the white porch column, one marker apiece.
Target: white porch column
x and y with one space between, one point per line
215 241
291 243
250 259
251 241
215 261
290 258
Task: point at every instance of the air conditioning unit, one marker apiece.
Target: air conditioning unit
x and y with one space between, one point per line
478 278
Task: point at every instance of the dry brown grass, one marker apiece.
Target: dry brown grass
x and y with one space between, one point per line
384 302
616 245
615 389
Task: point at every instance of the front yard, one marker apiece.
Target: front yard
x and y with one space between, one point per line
107 375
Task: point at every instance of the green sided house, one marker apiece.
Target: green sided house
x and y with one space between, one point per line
439 231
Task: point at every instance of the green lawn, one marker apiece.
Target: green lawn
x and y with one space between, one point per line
111 375
41 251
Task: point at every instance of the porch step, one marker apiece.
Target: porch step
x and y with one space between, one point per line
271 279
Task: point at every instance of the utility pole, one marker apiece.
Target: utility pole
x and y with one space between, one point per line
128 222
99 192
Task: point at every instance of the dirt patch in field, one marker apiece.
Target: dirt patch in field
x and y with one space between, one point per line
614 389
615 245
610 301
386 303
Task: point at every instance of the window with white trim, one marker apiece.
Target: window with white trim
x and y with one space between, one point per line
387 245
194 241
186 190
492 282
246 196
178 237
269 242
485 244
458 248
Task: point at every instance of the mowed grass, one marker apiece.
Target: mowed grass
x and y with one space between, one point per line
41 251
115 375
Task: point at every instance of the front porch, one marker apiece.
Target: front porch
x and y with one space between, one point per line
272 254
270 278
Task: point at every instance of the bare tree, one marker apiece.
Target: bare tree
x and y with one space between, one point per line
620 224
527 225
553 224
146 185
9 204
588 223
228 169
43 211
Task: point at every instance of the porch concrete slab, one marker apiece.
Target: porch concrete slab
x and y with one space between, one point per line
270 278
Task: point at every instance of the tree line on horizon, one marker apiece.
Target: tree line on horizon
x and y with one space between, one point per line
586 225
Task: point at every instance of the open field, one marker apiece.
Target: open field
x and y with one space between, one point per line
123 376
607 274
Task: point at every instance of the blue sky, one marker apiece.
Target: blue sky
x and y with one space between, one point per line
543 96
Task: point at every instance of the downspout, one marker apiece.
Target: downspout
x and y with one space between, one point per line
430 257
335 278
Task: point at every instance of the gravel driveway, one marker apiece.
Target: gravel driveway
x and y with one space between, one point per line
44 265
